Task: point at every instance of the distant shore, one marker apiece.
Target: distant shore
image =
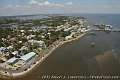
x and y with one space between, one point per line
14 75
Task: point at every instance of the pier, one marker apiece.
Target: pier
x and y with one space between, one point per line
112 30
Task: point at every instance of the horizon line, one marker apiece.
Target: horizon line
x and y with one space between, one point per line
50 14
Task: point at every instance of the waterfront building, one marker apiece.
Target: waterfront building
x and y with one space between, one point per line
28 56
68 37
18 62
12 61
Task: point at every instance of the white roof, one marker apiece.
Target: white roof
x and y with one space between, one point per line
22 30
12 60
68 37
28 56
9 47
15 52
35 41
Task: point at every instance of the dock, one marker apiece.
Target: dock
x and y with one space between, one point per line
112 30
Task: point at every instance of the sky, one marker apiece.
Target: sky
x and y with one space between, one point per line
27 7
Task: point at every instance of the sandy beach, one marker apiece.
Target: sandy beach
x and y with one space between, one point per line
43 58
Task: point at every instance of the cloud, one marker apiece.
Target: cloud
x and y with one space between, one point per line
9 6
33 2
36 1
69 3
45 3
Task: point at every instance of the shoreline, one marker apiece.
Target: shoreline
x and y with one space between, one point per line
15 75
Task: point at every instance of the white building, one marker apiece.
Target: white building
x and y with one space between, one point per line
39 43
28 56
22 31
30 36
12 60
68 37
15 52
10 47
